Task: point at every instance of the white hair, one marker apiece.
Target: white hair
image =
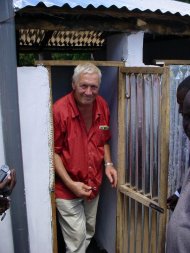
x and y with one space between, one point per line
86 68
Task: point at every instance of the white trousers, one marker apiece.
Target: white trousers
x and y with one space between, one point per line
77 218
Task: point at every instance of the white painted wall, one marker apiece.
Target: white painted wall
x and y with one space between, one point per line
126 47
135 49
34 92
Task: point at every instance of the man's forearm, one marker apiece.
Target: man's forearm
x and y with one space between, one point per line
107 153
78 188
61 171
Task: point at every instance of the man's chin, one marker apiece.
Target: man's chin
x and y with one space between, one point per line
87 101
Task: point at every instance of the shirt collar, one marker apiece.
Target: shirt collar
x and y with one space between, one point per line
97 110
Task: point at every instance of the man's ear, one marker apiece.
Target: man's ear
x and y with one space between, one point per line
73 85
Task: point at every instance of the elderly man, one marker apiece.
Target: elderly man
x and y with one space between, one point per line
81 135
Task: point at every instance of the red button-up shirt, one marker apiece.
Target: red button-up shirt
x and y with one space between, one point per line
82 152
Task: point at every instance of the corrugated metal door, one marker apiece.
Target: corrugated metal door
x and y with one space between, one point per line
143 109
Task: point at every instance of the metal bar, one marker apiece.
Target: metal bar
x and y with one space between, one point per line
151 137
138 229
132 226
132 147
11 124
125 225
156 112
147 110
140 149
153 232
128 120
145 233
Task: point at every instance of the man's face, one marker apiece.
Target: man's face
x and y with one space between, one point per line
186 114
86 88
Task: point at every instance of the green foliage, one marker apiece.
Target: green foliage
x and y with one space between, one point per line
28 59
70 56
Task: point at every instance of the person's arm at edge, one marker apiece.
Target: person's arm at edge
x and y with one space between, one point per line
173 199
6 187
110 171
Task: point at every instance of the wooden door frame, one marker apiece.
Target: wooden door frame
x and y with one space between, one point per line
55 63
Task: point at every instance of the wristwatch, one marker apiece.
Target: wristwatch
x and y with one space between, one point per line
108 164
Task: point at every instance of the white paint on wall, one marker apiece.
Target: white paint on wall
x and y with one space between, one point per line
135 49
6 239
126 47
34 93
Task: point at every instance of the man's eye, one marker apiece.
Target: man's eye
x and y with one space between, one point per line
93 87
83 86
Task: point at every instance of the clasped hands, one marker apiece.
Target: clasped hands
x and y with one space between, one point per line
83 190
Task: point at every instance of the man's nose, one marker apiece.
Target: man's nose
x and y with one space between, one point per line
88 90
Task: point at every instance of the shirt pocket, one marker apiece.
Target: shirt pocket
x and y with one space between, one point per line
100 137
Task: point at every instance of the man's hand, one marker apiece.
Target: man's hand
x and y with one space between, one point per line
8 184
4 204
111 173
172 202
80 189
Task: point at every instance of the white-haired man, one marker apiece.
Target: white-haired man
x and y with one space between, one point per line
81 135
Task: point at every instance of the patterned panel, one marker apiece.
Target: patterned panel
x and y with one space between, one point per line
35 37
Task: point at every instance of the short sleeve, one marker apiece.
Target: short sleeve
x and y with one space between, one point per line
59 130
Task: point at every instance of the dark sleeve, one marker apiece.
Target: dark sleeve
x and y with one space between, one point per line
179 189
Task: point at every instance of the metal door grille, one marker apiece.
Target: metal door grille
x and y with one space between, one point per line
143 160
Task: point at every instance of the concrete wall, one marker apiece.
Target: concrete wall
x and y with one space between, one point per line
34 92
